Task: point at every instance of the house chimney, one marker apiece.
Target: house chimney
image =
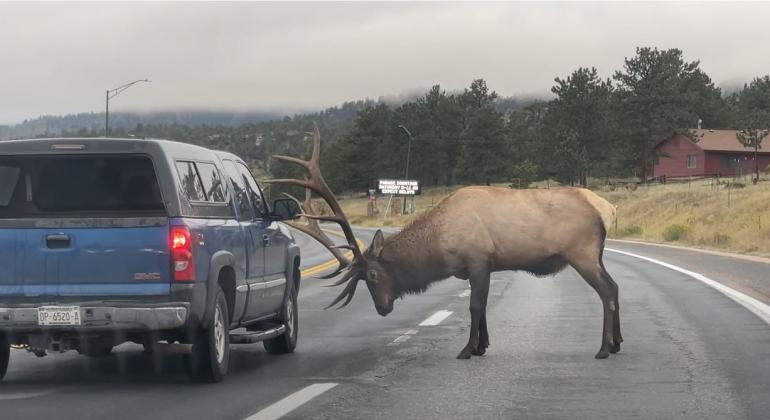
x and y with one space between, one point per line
700 121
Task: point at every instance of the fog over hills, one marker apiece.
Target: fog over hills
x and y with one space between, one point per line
91 122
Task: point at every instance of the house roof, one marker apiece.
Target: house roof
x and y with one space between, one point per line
721 141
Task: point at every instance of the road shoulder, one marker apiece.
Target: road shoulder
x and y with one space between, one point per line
747 274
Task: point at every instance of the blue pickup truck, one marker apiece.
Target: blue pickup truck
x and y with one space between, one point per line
105 241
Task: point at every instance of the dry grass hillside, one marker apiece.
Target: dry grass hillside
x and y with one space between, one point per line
699 214
691 214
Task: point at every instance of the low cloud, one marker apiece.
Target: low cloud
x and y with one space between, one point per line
60 58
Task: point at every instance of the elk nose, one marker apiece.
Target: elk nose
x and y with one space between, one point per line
384 310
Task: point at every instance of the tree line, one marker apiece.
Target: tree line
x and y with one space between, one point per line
592 127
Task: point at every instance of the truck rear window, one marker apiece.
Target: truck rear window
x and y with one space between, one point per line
78 185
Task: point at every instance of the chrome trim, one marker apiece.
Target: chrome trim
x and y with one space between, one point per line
275 283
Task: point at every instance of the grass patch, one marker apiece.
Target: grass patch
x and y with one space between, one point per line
632 230
675 232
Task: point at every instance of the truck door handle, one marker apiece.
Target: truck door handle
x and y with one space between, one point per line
265 240
57 241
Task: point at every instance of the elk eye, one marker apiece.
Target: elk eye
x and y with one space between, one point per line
372 275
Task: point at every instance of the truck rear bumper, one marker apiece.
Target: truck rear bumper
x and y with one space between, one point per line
93 318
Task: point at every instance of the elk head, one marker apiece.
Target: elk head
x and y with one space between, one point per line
368 265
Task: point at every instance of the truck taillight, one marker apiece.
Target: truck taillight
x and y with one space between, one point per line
182 266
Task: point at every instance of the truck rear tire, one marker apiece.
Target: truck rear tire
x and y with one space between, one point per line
211 345
5 354
286 342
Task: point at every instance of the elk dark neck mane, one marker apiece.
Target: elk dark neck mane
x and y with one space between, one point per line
413 255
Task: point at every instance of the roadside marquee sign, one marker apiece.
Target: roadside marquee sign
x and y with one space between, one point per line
398 187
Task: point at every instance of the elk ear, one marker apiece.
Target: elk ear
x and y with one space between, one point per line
377 243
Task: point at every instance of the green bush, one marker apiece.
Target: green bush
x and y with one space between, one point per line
524 173
675 232
629 231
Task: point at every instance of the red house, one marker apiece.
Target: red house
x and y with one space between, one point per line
717 153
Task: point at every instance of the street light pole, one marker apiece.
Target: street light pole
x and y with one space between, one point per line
408 155
111 93
408 149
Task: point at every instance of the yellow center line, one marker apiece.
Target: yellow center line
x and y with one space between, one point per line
332 262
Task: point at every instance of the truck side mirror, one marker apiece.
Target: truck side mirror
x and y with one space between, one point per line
285 209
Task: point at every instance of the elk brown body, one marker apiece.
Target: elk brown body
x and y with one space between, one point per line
472 233
480 230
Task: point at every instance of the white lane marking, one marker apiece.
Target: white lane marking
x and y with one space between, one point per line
435 319
400 339
292 402
25 395
756 307
404 337
464 294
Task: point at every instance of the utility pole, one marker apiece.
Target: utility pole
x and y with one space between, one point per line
111 93
408 155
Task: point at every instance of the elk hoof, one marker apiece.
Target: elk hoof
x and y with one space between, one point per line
479 351
603 354
465 354
615 348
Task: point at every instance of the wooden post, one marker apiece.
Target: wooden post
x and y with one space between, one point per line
387 207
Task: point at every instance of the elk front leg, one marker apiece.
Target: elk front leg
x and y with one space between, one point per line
478 307
483 334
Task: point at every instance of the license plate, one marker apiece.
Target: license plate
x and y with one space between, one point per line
58 315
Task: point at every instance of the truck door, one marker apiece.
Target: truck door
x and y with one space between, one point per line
275 243
252 223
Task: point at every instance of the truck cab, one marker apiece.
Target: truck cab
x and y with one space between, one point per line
104 241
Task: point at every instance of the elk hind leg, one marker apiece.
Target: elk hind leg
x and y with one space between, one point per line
593 275
617 336
478 306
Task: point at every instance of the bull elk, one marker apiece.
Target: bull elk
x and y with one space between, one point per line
470 234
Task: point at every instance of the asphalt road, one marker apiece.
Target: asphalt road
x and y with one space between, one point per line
690 353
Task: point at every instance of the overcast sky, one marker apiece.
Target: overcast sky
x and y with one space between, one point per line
60 58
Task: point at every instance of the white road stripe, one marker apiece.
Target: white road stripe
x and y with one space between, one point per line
435 319
401 338
292 402
756 307
464 294
25 395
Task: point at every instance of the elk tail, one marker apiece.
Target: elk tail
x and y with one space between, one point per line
606 210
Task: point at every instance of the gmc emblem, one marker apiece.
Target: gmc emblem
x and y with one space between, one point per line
146 276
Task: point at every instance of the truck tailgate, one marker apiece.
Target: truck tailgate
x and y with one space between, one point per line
84 261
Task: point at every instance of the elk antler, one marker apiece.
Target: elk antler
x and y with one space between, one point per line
314 182
312 229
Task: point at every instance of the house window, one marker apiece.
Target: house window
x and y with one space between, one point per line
691 162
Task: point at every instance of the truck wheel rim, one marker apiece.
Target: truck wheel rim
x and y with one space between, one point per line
219 335
290 316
